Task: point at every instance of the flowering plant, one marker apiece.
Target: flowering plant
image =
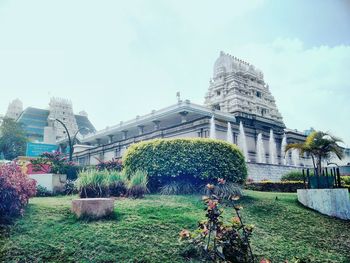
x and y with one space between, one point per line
52 162
217 240
112 165
15 190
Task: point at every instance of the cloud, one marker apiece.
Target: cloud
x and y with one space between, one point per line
310 85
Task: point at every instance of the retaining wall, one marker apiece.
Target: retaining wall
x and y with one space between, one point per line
271 172
332 202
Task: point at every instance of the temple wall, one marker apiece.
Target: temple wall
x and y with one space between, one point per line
258 171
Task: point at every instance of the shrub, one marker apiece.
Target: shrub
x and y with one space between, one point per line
293 176
42 191
345 182
219 241
137 185
56 163
92 183
15 190
112 165
269 186
204 159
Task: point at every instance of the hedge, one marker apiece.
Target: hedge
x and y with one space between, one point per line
204 159
269 186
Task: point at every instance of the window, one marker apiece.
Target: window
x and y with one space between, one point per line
258 94
218 93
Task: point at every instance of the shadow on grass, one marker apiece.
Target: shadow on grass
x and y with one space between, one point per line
115 216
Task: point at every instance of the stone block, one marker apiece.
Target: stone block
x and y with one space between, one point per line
93 207
332 202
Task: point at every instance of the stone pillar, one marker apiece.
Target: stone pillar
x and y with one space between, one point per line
125 134
183 116
110 140
156 125
141 129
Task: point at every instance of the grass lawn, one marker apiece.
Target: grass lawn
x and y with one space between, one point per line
147 230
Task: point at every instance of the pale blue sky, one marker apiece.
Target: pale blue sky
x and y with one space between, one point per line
119 59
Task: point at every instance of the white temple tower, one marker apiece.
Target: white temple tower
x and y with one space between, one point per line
14 109
239 88
62 109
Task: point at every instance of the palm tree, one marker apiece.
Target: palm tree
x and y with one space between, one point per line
320 146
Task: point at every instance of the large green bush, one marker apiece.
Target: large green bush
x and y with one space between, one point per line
203 159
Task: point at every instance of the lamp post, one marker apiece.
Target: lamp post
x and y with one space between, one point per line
70 140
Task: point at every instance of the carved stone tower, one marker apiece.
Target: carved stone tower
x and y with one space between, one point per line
62 109
239 88
14 109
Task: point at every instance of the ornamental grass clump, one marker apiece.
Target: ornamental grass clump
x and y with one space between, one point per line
219 241
117 183
137 184
93 183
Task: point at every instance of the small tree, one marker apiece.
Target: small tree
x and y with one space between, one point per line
320 146
12 139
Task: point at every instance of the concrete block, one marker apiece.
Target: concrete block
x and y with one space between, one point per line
332 202
93 207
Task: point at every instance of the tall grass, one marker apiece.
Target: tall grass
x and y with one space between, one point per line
94 183
137 184
117 182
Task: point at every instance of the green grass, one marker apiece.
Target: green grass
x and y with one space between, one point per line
146 230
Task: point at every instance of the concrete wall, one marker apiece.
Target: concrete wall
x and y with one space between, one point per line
52 182
332 202
259 171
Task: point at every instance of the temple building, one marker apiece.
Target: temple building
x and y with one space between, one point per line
237 98
36 121
14 109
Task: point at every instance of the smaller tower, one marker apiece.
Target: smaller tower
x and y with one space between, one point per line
62 110
14 109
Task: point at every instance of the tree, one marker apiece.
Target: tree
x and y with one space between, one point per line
12 139
320 146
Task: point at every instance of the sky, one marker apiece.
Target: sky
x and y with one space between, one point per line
119 59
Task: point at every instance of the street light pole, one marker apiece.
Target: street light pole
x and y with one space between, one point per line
69 140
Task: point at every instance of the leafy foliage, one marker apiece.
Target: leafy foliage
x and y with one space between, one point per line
57 163
269 186
112 165
15 190
204 159
42 191
293 176
12 139
217 240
